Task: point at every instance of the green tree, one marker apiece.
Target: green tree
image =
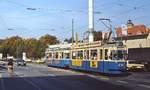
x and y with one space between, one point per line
48 39
34 48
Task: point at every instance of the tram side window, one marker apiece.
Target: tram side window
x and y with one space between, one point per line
66 55
94 54
101 54
50 55
73 55
106 54
80 55
62 55
56 55
86 54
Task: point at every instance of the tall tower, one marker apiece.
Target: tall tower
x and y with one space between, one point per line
91 20
129 24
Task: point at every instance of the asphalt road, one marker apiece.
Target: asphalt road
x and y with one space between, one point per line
40 77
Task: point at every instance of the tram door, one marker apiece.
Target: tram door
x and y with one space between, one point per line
101 54
105 63
106 54
94 58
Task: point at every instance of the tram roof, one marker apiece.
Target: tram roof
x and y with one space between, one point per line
97 44
62 45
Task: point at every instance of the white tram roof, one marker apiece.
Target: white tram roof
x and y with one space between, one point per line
63 46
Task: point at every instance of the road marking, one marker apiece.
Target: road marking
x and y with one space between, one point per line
142 85
102 78
53 75
30 82
124 82
33 84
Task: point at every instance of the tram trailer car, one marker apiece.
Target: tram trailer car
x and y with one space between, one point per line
58 55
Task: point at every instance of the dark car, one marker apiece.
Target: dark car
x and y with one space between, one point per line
20 63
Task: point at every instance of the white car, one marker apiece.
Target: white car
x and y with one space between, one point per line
134 65
3 62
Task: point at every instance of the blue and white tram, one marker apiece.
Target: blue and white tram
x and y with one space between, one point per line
58 55
107 58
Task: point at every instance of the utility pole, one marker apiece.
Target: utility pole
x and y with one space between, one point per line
91 22
72 31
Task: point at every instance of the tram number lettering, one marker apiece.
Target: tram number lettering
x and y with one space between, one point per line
93 64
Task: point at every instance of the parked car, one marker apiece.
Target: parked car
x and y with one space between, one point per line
2 62
20 62
133 65
39 61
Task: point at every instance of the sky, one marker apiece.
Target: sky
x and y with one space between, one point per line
54 17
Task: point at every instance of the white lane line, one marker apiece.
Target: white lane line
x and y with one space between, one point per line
30 82
142 85
33 84
103 78
53 75
124 82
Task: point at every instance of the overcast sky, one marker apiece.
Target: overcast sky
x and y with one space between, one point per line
54 16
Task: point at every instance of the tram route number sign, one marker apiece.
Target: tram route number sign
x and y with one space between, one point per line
76 63
94 64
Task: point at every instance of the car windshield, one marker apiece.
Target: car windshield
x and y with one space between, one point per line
134 62
20 60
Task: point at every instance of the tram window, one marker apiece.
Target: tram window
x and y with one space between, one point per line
73 55
56 54
120 54
86 54
67 55
110 56
101 54
50 55
94 54
80 55
106 54
62 55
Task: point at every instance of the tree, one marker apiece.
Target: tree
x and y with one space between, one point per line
34 48
10 46
66 40
48 39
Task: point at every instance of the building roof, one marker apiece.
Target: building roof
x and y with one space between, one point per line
135 30
142 36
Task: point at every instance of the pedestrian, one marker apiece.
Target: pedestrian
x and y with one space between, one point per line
10 66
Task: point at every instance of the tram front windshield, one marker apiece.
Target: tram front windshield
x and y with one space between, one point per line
118 54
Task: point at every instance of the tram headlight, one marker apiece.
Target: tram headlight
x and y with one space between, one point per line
120 65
